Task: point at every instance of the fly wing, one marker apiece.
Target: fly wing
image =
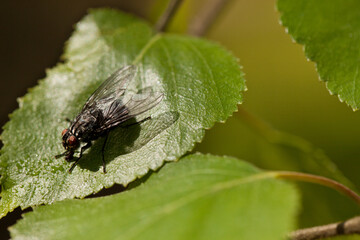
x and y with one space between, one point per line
119 112
112 88
143 101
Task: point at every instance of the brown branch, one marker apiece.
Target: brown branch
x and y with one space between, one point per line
206 17
351 226
164 20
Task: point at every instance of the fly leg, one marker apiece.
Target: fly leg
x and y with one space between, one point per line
102 152
68 155
88 144
61 154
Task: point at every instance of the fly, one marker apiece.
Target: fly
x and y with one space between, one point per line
108 107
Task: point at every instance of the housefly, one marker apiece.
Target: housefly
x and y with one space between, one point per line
108 107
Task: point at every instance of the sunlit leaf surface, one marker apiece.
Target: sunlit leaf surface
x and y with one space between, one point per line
199 197
201 82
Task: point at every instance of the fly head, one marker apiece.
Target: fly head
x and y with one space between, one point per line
69 141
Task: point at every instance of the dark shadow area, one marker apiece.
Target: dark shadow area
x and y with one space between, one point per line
33 34
122 140
143 179
126 139
9 220
92 158
117 188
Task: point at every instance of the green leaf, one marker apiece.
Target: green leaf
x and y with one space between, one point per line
330 32
272 149
201 82
199 197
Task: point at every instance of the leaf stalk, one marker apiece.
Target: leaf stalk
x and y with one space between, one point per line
305 177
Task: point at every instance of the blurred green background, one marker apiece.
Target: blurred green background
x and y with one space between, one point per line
284 90
283 87
285 93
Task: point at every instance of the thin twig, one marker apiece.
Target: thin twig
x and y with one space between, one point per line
164 20
351 226
206 17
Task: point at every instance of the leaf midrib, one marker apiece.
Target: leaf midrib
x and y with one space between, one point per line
147 46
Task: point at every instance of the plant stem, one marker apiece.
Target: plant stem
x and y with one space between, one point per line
165 18
350 226
319 180
206 17
198 27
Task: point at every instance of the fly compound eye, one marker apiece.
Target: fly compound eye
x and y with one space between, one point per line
64 131
72 140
